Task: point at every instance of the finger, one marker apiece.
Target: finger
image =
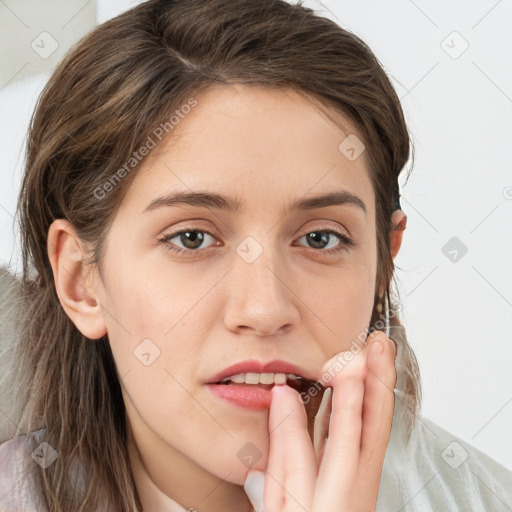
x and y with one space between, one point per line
321 426
341 454
291 470
378 406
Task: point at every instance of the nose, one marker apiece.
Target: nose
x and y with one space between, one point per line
261 297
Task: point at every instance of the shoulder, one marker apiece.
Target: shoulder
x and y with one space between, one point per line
19 483
434 470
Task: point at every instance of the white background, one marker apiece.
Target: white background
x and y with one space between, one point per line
458 314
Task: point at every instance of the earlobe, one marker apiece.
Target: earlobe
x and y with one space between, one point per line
399 221
72 279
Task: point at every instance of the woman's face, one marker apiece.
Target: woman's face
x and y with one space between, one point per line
249 284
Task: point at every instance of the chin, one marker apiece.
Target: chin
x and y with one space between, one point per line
236 472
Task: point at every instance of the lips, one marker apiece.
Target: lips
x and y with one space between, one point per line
259 396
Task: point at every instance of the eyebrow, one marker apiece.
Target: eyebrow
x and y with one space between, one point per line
222 202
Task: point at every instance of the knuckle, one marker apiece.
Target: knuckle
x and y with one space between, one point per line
353 375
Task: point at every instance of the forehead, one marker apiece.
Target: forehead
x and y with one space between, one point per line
260 144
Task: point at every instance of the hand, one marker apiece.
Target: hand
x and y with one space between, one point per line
345 475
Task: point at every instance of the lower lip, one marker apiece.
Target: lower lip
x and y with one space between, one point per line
255 397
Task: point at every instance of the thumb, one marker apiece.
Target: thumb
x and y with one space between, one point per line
253 486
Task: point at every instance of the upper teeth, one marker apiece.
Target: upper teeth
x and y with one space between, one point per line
260 378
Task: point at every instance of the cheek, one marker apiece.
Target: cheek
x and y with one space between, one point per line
148 300
341 303
153 333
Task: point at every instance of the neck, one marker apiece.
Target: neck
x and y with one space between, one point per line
192 488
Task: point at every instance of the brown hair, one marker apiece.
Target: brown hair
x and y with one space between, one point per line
102 103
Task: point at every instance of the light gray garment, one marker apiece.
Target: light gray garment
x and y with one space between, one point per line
437 471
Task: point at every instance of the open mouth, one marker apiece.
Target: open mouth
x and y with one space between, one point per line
268 380
253 391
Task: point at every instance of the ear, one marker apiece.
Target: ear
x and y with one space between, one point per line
73 279
399 221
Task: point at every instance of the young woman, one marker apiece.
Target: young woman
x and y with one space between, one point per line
205 321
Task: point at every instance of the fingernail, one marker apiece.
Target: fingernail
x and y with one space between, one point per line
254 487
277 389
377 348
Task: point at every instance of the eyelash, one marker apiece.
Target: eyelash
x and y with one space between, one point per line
345 242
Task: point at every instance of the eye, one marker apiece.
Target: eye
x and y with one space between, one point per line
191 238
319 239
